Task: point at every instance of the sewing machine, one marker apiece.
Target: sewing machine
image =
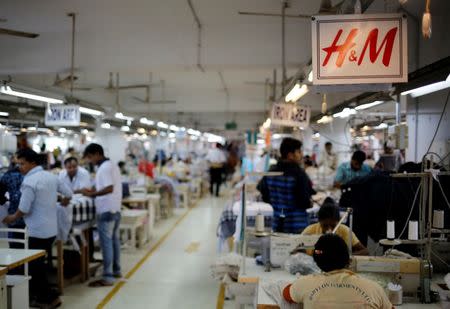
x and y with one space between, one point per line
412 274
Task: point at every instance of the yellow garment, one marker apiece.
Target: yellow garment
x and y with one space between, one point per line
342 231
339 289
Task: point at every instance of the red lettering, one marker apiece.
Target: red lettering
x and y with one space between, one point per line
341 49
371 41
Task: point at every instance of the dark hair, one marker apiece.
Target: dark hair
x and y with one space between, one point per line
328 211
70 159
328 144
331 253
289 145
70 149
121 164
359 156
28 155
93 149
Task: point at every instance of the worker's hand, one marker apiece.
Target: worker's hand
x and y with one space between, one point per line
87 192
65 201
9 219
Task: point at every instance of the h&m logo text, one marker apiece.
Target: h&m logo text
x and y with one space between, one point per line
371 43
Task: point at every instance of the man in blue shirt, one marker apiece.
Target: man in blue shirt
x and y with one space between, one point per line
38 208
10 182
350 170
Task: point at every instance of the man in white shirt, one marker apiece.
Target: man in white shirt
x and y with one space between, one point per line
74 176
108 200
217 160
328 158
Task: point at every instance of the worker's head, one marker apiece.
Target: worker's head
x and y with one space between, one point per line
71 166
358 158
94 153
291 149
328 147
328 217
388 148
27 159
331 253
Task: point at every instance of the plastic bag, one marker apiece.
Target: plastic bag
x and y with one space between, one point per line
301 263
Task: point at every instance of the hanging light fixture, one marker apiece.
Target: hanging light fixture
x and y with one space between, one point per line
426 21
324 103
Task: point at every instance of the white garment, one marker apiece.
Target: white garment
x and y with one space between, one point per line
80 181
216 156
328 160
108 174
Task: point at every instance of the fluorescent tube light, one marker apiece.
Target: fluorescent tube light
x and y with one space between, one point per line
325 119
345 113
146 121
105 125
123 117
162 125
125 129
174 128
4 114
420 91
381 126
90 111
296 93
194 132
368 105
7 90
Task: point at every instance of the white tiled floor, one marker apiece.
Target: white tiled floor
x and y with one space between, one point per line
171 276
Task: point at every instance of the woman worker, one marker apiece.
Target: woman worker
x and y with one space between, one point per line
328 219
336 287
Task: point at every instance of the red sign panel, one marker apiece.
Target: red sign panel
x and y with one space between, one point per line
357 49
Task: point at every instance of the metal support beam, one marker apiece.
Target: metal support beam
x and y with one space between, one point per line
199 36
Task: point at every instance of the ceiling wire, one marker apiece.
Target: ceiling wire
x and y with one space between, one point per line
199 36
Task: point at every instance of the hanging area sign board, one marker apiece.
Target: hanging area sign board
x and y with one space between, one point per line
290 115
62 115
359 49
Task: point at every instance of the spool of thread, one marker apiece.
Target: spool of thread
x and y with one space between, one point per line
259 223
413 230
390 230
395 293
438 219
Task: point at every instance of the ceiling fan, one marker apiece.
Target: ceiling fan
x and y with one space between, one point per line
10 32
326 8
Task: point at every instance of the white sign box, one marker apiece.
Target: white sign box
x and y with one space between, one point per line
62 115
290 115
359 49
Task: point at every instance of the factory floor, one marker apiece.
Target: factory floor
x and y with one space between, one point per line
172 271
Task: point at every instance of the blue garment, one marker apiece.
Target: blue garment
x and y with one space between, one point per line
38 202
108 231
345 173
11 181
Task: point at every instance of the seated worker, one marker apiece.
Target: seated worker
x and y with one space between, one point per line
350 170
328 219
75 177
290 195
336 287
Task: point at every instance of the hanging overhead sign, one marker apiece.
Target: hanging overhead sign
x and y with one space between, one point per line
62 115
290 115
359 49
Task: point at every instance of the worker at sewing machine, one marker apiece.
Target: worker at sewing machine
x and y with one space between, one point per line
329 217
336 286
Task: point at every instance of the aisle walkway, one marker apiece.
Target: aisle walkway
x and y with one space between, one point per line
178 272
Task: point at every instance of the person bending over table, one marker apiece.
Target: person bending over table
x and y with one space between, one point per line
336 287
38 208
108 200
329 217
347 171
